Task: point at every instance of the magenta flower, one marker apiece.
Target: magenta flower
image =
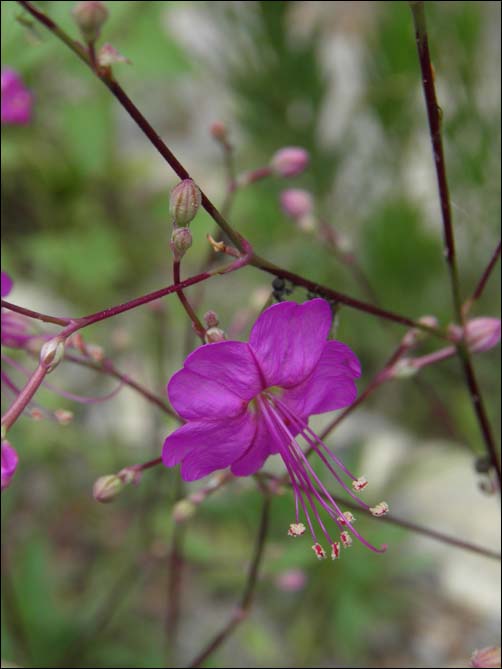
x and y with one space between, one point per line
9 463
14 332
246 401
16 99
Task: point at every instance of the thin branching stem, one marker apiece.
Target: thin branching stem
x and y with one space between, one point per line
434 118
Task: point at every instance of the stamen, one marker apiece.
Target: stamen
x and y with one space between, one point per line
347 517
346 539
380 509
319 551
296 529
335 550
360 483
305 479
313 442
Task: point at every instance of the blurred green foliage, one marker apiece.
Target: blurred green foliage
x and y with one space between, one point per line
85 225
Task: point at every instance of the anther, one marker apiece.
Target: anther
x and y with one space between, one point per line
380 509
296 529
360 483
319 551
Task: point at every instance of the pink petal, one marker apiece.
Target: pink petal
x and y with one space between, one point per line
263 445
6 284
288 340
229 363
9 463
217 381
205 446
197 398
330 386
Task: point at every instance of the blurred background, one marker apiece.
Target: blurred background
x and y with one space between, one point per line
85 225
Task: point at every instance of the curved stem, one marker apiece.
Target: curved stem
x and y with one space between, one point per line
107 367
197 325
46 318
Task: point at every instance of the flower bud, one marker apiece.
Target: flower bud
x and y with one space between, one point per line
95 352
9 463
106 488
214 335
89 16
183 511
296 203
108 55
184 202
486 657
211 319
403 369
482 334
181 241
52 353
219 131
290 161
63 416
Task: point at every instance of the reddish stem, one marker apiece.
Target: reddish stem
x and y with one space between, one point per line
197 325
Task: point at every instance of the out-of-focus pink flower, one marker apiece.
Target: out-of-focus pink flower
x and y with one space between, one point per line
246 401
14 331
489 658
291 580
296 203
9 463
482 334
290 161
17 100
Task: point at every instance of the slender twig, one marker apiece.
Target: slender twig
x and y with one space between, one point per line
107 367
434 118
35 314
24 397
105 75
197 325
482 281
246 600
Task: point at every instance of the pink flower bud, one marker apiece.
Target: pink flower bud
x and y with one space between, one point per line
9 463
16 106
219 131
108 55
52 353
184 202
296 203
63 416
290 161
89 17
486 657
183 511
106 488
214 335
211 319
181 241
482 334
